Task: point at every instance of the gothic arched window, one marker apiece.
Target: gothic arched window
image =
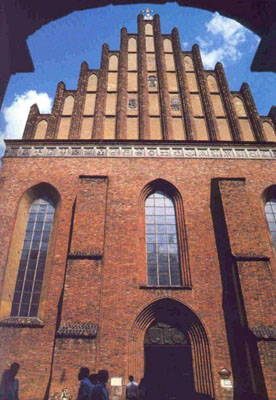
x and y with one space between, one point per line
270 212
33 258
163 264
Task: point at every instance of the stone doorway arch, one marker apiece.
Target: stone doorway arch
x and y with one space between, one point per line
175 314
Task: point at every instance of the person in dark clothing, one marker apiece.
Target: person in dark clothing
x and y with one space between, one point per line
86 387
142 389
94 379
100 391
9 384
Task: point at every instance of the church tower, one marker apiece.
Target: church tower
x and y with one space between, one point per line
138 231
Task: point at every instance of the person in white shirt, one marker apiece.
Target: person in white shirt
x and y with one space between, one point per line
132 389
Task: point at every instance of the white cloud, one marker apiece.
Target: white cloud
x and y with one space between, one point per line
222 41
232 32
16 114
210 58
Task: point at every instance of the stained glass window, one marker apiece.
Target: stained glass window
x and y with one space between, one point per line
33 258
163 265
270 212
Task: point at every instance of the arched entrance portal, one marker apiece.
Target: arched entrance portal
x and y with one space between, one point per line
168 363
169 349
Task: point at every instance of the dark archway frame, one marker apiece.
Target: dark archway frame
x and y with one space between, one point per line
21 18
167 308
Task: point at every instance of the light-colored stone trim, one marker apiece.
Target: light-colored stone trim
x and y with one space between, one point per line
138 151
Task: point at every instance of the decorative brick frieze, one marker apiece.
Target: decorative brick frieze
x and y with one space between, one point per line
121 120
75 330
189 125
21 322
82 255
199 150
264 332
99 114
144 124
252 112
94 178
165 108
205 96
228 103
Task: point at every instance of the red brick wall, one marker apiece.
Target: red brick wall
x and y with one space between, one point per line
107 292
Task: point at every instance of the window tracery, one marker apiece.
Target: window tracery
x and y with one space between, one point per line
33 258
270 212
163 265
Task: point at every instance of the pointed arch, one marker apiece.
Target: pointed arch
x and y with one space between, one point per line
113 62
167 43
188 63
41 129
269 209
212 84
92 83
239 106
173 312
269 131
132 44
148 29
28 267
169 189
68 105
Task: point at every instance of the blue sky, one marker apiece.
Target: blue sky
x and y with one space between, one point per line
59 47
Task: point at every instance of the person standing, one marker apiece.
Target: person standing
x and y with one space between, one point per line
86 387
132 389
9 384
100 391
142 388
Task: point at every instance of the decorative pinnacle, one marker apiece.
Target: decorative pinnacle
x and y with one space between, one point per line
147 14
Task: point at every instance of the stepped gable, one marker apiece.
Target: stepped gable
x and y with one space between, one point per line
152 90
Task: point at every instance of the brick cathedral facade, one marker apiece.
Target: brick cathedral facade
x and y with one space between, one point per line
138 223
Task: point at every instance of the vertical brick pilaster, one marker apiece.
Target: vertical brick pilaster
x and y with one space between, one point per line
98 126
166 117
52 127
252 113
88 239
78 103
205 96
121 121
183 86
228 103
29 130
247 281
144 126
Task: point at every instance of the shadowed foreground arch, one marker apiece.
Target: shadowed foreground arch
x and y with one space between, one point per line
175 313
21 18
